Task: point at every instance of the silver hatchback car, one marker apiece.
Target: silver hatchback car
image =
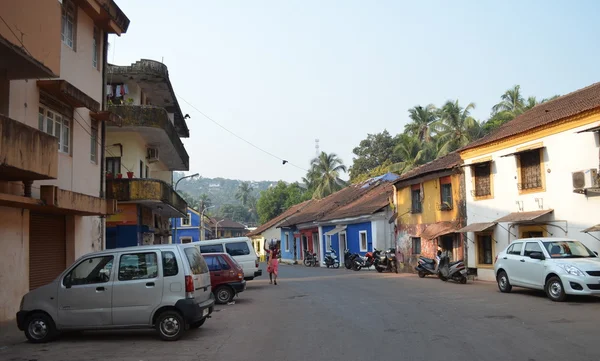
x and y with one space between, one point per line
166 287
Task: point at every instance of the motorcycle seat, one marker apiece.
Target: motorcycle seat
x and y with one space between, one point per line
453 263
427 260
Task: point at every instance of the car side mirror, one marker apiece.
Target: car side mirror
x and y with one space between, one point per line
596 253
67 282
537 255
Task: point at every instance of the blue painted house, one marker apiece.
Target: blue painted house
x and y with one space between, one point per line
356 217
188 228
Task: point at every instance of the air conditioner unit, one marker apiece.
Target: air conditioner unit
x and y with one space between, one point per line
585 179
152 155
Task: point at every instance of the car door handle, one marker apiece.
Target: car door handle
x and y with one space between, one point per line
150 284
100 289
504 257
522 260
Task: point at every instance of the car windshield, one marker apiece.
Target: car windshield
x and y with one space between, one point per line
568 249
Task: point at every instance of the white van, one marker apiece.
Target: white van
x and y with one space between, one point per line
240 248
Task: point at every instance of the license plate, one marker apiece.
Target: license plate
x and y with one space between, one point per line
205 312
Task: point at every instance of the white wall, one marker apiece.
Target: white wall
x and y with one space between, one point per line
565 152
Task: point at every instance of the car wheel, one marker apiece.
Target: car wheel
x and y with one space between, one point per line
421 274
170 325
40 328
224 294
555 290
503 282
198 324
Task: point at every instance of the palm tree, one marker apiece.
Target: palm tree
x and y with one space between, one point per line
412 151
532 101
325 174
243 193
204 201
456 127
511 101
422 118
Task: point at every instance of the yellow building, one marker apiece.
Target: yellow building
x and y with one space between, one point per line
430 206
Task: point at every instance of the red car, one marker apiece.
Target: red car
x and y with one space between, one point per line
226 276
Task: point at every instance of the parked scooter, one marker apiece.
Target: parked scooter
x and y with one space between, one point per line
349 258
331 259
310 259
455 271
427 266
386 261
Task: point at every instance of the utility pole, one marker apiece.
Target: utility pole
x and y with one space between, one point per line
202 222
175 189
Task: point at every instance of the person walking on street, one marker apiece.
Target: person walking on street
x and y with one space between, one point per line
273 264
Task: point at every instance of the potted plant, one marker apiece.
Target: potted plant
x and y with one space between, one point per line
109 175
119 175
129 175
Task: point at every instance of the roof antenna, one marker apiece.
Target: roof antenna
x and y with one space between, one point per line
162 59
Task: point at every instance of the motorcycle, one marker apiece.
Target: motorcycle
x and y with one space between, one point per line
331 259
310 259
349 258
386 261
455 271
427 266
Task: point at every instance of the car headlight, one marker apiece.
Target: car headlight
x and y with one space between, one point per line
572 270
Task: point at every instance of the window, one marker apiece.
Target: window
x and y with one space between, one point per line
113 165
213 248
186 221
416 245
90 271
141 169
532 234
169 261
95 43
415 197
57 125
515 249
568 249
328 241
67 34
94 142
484 249
196 261
138 266
532 247
530 170
483 174
224 265
185 239
362 236
287 242
446 193
213 263
237 249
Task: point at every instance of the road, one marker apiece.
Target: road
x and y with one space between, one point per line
323 314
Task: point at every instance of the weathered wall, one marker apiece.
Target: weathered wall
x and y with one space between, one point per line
14 260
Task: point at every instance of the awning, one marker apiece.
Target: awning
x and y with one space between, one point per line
477 227
595 228
523 216
525 149
439 229
337 229
68 93
592 129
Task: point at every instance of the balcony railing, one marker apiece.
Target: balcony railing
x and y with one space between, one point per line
26 154
145 190
153 117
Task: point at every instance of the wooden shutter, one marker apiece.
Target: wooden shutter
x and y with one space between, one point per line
47 248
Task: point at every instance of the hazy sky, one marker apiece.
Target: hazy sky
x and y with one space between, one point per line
283 73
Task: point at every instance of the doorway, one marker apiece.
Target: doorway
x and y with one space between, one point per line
304 246
447 245
342 245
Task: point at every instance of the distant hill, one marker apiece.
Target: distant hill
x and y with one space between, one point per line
221 191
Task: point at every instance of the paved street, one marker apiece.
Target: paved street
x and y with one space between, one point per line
323 314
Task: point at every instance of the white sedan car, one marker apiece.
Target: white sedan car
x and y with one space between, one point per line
558 266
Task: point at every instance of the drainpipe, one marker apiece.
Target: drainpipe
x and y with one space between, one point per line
103 139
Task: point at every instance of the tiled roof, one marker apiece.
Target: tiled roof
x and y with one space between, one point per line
226 223
282 217
446 162
320 208
566 106
374 200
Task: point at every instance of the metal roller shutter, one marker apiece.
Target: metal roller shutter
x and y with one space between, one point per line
47 248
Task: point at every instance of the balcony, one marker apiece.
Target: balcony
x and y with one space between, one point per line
153 193
26 154
154 125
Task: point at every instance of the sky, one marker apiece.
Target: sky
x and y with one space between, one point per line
281 74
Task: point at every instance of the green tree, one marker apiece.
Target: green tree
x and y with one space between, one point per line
412 152
422 119
381 170
235 212
372 152
511 101
456 127
191 201
326 170
277 199
244 192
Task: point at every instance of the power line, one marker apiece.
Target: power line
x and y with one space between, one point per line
239 137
